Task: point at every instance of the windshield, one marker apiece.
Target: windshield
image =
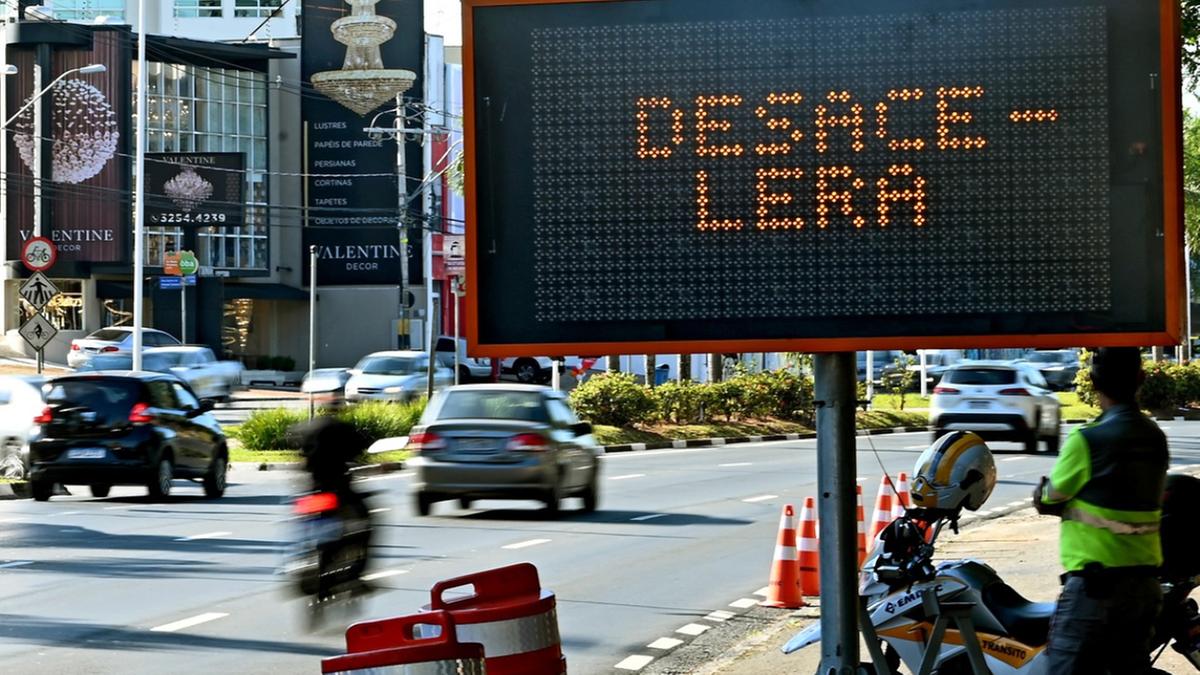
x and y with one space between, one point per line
162 362
109 335
391 365
108 362
495 405
1049 357
981 376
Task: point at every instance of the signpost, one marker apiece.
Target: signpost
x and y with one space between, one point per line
182 268
823 177
38 254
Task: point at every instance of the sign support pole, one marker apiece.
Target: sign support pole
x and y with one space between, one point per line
870 376
835 394
183 310
457 293
312 324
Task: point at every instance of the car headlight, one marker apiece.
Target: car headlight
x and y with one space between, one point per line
393 390
351 390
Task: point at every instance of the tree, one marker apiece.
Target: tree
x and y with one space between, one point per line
1190 30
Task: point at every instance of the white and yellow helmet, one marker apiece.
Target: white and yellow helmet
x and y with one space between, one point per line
957 471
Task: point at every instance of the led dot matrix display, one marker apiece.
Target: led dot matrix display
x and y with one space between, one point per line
671 170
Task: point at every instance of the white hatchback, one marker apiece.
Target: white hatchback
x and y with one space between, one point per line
999 400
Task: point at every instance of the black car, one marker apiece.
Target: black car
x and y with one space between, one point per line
128 428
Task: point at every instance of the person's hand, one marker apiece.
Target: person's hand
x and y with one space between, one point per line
1042 507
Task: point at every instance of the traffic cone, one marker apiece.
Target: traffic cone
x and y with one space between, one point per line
810 554
903 497
862 525
783 590
883 509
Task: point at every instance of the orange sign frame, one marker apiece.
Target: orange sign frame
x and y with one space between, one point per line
1173 262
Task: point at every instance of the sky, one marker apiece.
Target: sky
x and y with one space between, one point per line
443 17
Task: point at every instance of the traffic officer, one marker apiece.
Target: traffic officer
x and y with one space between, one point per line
1107 486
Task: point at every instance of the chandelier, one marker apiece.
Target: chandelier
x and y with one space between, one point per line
363 84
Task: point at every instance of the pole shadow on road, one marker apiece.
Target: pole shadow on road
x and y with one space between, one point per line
141 568
28 630
605 517
41 535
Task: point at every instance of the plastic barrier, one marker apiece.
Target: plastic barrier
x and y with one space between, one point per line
399 647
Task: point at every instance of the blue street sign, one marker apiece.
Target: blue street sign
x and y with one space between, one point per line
167 283
189 280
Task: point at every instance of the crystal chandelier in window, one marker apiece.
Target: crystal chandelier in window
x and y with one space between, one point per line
363 84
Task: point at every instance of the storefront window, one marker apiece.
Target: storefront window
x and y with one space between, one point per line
65 311
197 8
89 10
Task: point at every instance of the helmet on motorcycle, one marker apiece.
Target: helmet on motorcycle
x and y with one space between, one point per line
957 471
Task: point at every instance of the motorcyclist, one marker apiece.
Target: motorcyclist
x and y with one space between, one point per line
1107 486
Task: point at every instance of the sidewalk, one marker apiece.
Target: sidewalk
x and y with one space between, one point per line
1022 548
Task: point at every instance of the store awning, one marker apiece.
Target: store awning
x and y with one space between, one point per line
263 292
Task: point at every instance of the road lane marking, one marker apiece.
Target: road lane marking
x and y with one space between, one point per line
720 615
206 535
737 464
692 629
189 622
116 508
760 498
635 662
383 510
526 544
744 603
665 643
1012 459
651 516
1019 502
762 592
915 447
383 574
15 563
69 513
627 476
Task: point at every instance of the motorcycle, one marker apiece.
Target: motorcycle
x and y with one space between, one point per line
903 593
330 554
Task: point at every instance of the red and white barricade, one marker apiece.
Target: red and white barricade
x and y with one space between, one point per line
511 615
421 644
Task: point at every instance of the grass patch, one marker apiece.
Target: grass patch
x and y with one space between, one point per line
239 454
876 419
1074 409
388 457
892 402
11 481
886 419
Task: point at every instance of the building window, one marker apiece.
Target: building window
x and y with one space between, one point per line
65 311
195 109
197 8
257 8
88 10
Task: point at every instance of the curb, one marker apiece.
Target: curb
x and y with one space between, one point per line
715 442
14 491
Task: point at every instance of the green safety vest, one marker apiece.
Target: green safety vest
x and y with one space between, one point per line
1112 472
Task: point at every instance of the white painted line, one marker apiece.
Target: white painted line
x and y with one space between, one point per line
70 530
206 535
720 615
383 510
679 445
16 563
116 508
637 447
383 574
635 662
744 603
1012 459
188 623
526 544
915 447
627 476
692 629
650 516
762 592
665 643
738 464
760 498
69 513
717 442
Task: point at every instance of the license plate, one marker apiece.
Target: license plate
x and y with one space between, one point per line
978 405
476 444
87 453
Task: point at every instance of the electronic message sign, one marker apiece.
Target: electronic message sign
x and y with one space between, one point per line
701 175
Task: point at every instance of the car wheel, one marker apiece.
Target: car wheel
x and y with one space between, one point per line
41 490
423 504
527 371
1052 439
215 479
100 490
1031 443
591 494
160 484
553 500
464 502
464 375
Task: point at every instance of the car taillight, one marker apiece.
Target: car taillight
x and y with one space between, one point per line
139 414
527 443
946 390
1015 391
46 416
109 349
426 441
320 502
74 346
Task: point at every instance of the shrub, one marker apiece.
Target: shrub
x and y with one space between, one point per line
725 398
1159 390
681 402
377 420
268 429
787 396
905 377
1187 379
615 399
1083 380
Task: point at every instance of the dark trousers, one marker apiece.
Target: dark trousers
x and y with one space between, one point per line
1104 626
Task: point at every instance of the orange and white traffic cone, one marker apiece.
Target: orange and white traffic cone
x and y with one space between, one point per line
883 509
903 497
810 554
783 589
862 525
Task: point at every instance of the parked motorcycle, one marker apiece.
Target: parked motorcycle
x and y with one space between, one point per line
1012 632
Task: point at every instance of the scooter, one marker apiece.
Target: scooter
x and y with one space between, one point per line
331 551
959 617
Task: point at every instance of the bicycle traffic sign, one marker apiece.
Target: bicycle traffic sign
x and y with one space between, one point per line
38 332
39 254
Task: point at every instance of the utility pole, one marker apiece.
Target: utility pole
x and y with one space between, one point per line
402 222
312 325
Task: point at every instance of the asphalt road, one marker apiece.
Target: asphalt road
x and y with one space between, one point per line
122 585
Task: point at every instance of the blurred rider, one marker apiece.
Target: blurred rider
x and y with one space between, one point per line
1107 486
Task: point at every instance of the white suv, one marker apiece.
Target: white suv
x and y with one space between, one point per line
998 400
